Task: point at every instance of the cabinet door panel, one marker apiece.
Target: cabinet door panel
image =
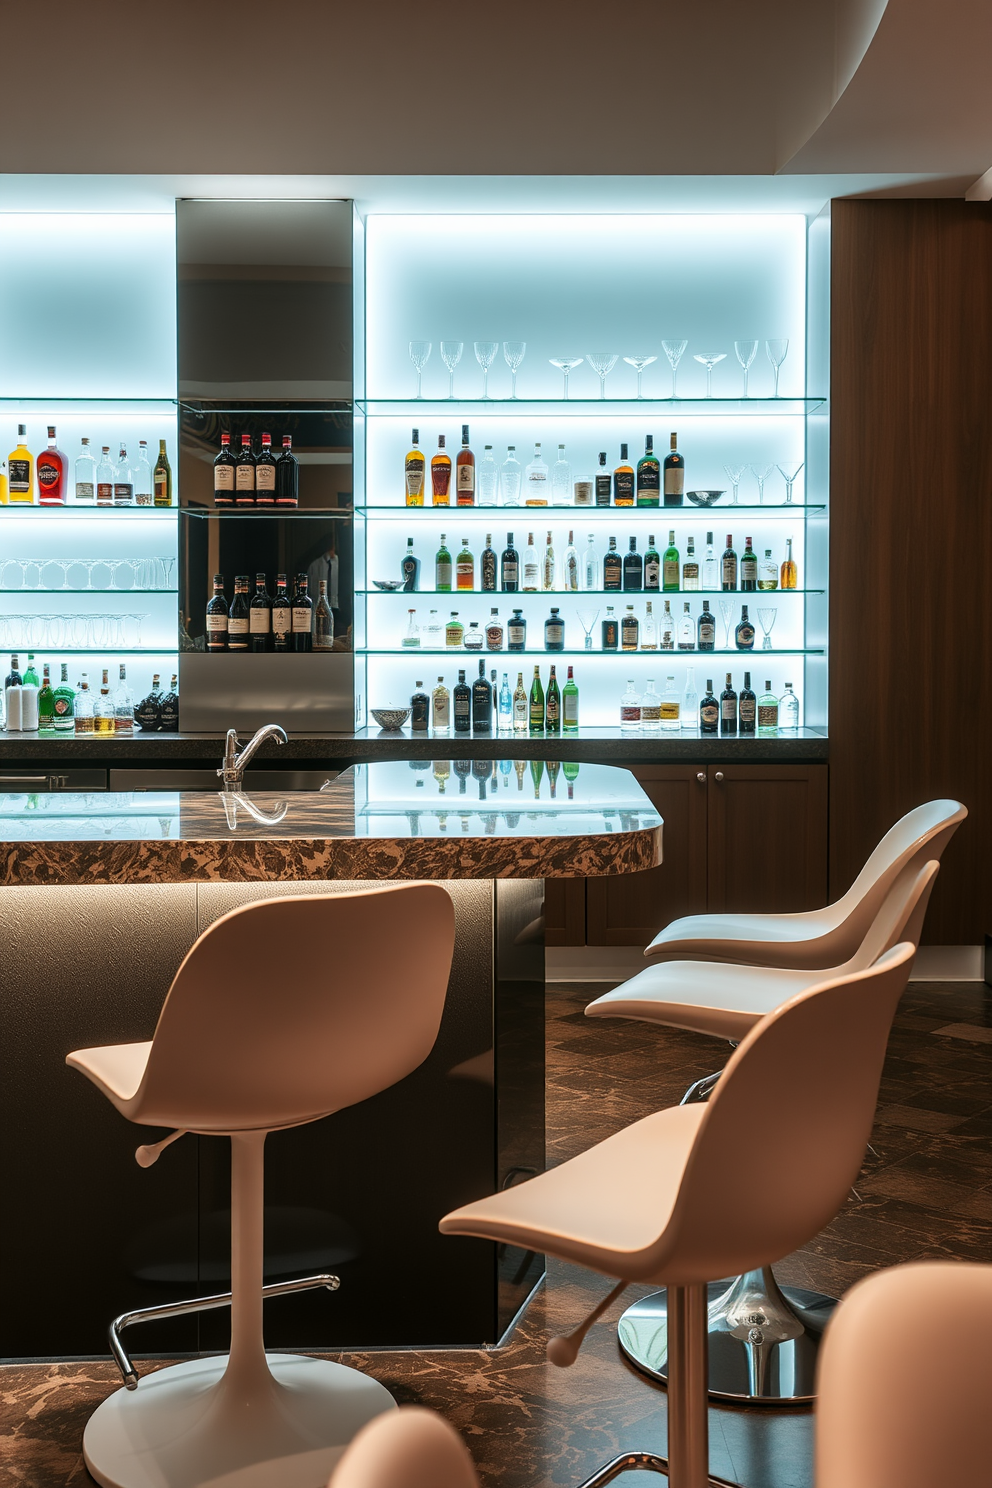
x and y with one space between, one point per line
767 838
564 911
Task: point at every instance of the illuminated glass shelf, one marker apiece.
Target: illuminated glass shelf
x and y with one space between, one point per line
37 650
574 651
697 513
745 595
587 407
102 513
287 512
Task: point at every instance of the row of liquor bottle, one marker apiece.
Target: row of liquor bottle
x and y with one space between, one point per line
538 571
652 482
26 480
248 478
626 632
489 774
269 622
33 706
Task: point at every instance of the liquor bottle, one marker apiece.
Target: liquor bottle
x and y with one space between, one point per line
169 718
465 569
604 485
532 574
162 478
706 629
420 710
516 632
554 631
687 630
520 713
465 473
728 708
768 571
123 480
441 771
570 566
494 632
454 632
583 488
237 619
652 566
552 706
442 568
505 706
31 675
768 711
510 477
487 478
749 568
143 476
690 568
223 473
487 567
29 698
790 573
282 617
123 705
666 628
509 567
690 701
788 709
590 565
728 566
323 620
410 569
670 566
671 708
412 637
561 480
217 614
674 475
548 566
433 631
633 568
473 637
287 475
630 710
711 577
461 698
46 704
648 475
244 474
482 703
266 465
612 569
629 630
611 631
709 710
536 480
12 690
85 475
85 721
747 706
650 709
414 474
570 705
51 471
4 484
536 707
553 767
20 471
744 634
623 481
65 705
441 709
649 630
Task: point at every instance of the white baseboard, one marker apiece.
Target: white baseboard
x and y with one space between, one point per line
617 963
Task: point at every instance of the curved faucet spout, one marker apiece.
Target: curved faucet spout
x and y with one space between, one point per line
232 770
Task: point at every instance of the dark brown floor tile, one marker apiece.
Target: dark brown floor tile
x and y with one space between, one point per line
916 1117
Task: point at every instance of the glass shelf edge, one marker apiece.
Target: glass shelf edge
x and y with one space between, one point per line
392 407
595 511
578 651
507 595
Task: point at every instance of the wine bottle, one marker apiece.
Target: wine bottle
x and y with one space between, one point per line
244 474
217 615
287 475
265 474
674 475
648 475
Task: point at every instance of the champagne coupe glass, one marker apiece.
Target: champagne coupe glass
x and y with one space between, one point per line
419 353
602 362
451 355
790 481
587 619
746 353
766 619
727 610
565 365
776 352
513 354
639 363
761 476
709 360
485 353
734 474
674 351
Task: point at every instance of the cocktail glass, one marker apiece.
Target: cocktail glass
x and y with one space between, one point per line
64 564
168 564
734 474
451 355
419 353
674 351
790 481
587 619
513 354
777 352
639 363
746 353
727 610
761 476
709 360
766 619
565 365
485 353
602 362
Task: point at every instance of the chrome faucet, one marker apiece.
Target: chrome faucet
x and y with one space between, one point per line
232 770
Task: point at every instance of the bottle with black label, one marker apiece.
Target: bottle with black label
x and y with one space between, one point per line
552 706
302 615
613 569
633 568
217 613
282 617
410 569
747 705
604 486
265 474
611 631
487 567
420 710
260 617
709 710
148 713
414 473
728 565
461 696
652 566
749 568
648 475
509 567
224 473
516 632
20 471
482 702
287 475
623 481
728 708
706 629
244 474
237 620
554 631
744 634
674 475
169 715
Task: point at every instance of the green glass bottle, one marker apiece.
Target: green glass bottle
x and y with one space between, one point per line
46 704
65 704
442 569
31 676
648 475
536 772
537 704
670 567
570 710
570 770
552 706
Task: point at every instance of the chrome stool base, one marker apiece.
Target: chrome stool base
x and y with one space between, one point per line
763 1339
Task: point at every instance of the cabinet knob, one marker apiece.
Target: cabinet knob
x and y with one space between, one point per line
718 775
701 776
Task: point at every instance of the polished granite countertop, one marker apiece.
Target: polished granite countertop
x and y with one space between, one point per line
389 819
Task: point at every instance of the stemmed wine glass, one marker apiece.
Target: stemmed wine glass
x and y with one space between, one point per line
639 363
485 352
513 354
746 353
766 619
603 363
451 355
674 351
776 352
419 353
761 476
587 619
727 610
735 473
790 481
565 365
709 360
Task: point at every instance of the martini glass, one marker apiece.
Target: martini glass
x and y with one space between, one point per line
639 363
513 354
776 352
485 353
587 619
734 474
761 476
565 365
766 619
674 351
419 353
790 481
709 360
602 362
727 608
451 355
746 353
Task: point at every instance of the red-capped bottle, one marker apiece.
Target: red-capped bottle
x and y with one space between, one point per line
51 468
287 475
244 473
265 474
224 474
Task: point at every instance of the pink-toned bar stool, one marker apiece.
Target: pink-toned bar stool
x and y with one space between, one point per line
672 1200
410 1448
229 1058
905 1381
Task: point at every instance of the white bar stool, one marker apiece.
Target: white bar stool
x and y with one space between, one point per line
234 1057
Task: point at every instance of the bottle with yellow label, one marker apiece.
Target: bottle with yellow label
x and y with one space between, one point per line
3 483
415 470
20 471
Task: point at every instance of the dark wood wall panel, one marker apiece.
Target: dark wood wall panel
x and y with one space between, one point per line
911 538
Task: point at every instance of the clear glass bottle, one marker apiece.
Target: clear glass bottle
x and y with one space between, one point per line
412 637
687 629
521 710
123 705
510 477
549 566
142 474
84 707
494 632
487 478
671 708
433 632
323 620
768 571
474 637
789 575
711 573
666 628
690 701
690 567
561 480
570 567
583 487
536 480
123 482
649 630
441 710
788 709
532 573
505 715
650 709
454 632
590 564
630 710
85 475
768 711
103 708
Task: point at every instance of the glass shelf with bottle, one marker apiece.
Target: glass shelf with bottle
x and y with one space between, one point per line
588 407
99 455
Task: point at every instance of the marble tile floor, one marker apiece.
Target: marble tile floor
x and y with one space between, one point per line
926 1192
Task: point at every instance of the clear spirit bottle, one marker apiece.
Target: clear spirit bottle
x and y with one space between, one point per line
711 579
441 711
487 478
561 480
671 708
510 476
85 473
768 571
690 701
84 707
549 567
650 709
505 706
788 709
687 629
666 639
103 707
649 630
412 637
630 710
570 566
590 565
520 710
143 495
768 711
532 575
536 480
